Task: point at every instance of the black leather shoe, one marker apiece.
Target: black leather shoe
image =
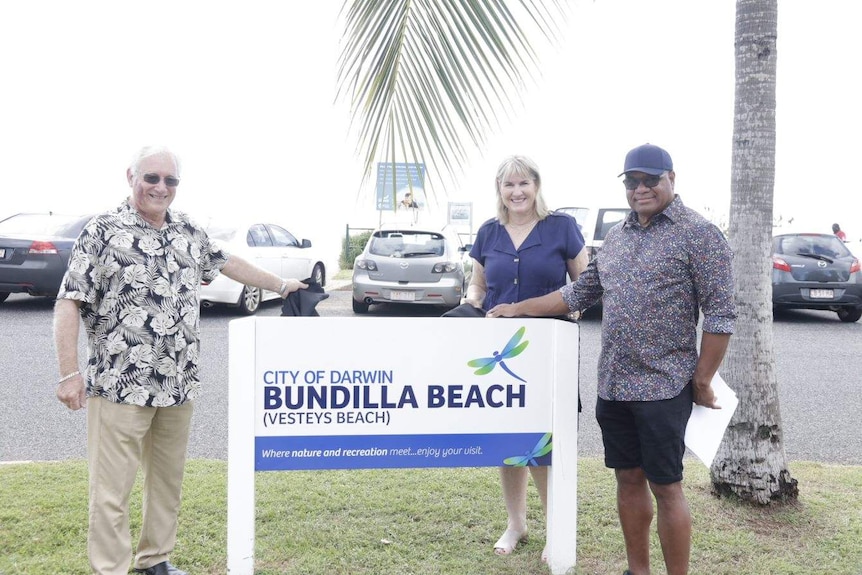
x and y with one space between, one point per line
163 568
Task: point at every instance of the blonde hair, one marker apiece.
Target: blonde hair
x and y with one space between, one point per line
522 166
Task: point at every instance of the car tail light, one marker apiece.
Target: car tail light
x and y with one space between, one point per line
366 265
855 266
43 248
780 264
444 267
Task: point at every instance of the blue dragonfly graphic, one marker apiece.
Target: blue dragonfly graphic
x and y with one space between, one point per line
543 447
513 348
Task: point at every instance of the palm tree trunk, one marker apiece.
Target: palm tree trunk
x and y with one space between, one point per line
751 463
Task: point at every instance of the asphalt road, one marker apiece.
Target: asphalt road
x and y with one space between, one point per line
817 356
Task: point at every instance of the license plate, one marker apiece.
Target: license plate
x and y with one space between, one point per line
822 294
402 296
2 253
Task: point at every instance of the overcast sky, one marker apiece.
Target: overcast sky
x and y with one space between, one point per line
244 93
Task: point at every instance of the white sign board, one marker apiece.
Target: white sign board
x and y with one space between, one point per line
337 393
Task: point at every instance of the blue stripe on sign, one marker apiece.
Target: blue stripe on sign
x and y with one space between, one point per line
394 451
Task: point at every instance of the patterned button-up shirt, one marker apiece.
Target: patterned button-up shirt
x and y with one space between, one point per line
139 293
654 281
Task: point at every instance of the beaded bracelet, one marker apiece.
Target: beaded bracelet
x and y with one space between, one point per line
68 377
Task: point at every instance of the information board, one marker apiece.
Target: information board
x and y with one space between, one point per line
355 393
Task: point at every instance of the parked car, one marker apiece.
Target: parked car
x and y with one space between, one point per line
267 245
816 271
34 251
595 223
412 265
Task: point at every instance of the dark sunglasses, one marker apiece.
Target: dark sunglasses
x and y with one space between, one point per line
170 181
649 181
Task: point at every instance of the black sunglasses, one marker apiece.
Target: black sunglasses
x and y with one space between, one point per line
649 181
170 181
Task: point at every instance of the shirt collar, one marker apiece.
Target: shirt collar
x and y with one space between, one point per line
127 209
673 212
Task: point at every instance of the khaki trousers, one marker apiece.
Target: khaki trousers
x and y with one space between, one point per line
120 438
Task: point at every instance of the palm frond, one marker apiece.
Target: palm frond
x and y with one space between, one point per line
427 79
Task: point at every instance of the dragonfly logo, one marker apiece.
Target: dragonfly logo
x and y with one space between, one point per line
515 346
543 447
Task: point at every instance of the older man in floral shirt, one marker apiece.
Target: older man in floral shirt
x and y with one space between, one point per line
134 278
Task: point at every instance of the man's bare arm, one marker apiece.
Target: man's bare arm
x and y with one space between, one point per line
67 323
245 272
712 349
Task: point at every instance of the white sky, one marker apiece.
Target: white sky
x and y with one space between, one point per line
244 93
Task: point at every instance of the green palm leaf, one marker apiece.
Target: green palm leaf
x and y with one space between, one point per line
427 77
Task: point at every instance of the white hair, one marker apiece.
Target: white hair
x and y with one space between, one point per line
148 151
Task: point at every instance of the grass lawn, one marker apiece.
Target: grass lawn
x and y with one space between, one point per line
431 521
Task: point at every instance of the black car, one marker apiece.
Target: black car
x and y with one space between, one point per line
34 252
816 271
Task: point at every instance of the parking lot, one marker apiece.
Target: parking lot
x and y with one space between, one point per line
817 367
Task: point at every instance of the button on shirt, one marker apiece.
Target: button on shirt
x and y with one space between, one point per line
139 293
653 282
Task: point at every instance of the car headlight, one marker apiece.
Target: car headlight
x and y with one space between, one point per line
367 265
445 267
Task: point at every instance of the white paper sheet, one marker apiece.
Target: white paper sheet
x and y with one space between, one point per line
706 426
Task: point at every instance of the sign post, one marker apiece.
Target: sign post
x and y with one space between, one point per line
308 393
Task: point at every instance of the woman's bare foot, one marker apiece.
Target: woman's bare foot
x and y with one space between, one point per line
508 541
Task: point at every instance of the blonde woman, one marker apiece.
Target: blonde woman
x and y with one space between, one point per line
526 251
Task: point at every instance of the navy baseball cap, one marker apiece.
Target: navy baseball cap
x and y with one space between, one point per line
648 159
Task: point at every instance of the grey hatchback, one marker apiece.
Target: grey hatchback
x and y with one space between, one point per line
410 265
816 271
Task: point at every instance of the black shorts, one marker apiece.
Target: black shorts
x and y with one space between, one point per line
646 434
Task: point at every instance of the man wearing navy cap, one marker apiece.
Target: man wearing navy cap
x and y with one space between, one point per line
657 271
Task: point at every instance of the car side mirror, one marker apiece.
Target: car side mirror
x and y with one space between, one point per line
306 243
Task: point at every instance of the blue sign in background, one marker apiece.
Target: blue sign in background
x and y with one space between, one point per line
396 451
402 175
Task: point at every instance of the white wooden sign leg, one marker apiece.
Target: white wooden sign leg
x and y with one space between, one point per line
240 461
563 476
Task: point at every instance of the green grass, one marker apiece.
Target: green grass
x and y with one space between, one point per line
343 274
431 521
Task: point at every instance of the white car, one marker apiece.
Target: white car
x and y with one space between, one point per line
595 223
267 245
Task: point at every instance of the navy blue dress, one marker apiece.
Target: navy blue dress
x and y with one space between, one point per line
536 268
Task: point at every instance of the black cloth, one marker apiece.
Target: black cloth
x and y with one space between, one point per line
303 302
465 310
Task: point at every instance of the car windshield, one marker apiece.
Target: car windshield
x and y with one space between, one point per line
810 246
406 244
221 232
608 219
43 225
580 214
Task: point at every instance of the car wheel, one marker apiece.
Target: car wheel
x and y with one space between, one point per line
318 274
3 296
849 314
360 307
249 300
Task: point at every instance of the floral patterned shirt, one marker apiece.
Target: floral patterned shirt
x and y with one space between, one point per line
139 293
654 282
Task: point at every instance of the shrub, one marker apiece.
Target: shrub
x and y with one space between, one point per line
351 246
